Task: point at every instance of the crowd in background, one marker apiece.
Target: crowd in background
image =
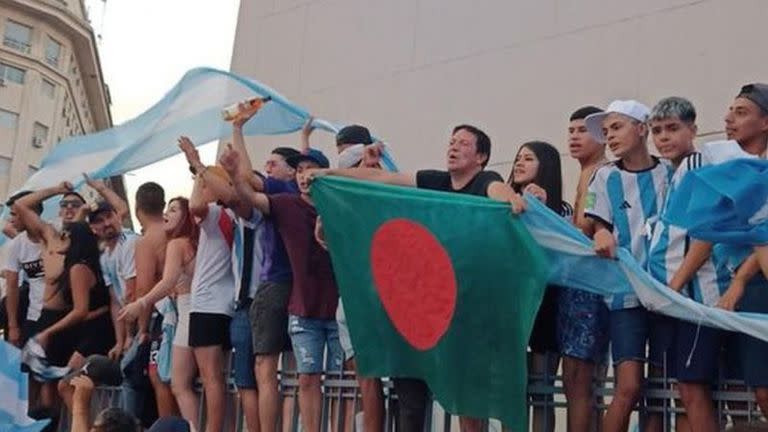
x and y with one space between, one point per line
241 268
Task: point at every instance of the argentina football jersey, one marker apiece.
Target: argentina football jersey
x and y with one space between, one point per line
670 244
628 202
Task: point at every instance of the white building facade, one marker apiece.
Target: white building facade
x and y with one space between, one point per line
51 84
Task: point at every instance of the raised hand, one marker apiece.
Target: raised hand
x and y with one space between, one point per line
230 160
372 155
190 152
65 187
96 185
307 129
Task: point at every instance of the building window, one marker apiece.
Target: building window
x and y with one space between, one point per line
39 135
8 120
52 52
48 89
17 36
12 73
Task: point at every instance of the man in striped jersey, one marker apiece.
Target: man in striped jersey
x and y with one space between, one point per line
623 196
688 267
118 256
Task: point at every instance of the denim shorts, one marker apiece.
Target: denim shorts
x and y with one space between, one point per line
628 329
242 357
310 337
582 325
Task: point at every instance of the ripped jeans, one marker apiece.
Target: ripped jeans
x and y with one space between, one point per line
310 337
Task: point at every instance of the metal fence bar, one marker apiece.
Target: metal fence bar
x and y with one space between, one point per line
342 393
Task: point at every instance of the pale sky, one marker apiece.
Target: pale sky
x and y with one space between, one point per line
146 47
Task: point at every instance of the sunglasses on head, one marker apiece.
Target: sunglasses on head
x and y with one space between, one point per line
70 204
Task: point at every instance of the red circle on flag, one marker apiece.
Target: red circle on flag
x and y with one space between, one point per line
415 280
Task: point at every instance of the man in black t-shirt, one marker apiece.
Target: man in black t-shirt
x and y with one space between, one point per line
468 153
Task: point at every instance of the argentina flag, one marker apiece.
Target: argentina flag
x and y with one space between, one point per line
725 203
14 396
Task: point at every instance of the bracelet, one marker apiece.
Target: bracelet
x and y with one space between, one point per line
201 172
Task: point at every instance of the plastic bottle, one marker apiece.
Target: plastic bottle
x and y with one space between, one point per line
233 111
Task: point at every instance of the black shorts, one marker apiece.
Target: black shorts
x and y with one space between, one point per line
28 329
95 336
155 338
209 329
61 345
269 318
544 334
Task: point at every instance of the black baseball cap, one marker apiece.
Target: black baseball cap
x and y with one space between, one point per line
99 208
757 93
354 134
100 369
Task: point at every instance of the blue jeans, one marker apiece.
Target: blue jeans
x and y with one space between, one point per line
243 356
629 333
309 338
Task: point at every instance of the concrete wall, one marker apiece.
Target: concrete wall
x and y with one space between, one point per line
411 69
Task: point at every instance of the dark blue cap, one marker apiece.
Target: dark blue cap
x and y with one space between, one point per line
315 156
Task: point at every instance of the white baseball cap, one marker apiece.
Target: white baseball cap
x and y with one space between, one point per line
630 108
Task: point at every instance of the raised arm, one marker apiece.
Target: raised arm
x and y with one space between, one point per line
222 189
32 221
238 141
248 191
306 132
110 196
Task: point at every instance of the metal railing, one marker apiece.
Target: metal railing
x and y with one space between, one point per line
342 403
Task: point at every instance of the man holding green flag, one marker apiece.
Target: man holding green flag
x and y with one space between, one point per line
449 286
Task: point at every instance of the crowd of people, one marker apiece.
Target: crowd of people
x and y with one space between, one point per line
241 268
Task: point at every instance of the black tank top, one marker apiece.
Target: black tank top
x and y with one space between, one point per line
98 295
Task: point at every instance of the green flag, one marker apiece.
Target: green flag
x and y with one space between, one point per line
438 286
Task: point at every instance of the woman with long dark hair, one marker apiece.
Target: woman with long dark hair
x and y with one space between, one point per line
537 171
75 320
178 271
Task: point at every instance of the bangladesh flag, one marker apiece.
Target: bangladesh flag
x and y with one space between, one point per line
438 286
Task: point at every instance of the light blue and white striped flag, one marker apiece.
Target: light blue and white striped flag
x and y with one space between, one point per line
14 394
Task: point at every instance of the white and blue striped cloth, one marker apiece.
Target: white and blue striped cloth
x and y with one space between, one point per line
14 398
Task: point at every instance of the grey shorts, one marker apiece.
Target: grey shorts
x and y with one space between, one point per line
269 318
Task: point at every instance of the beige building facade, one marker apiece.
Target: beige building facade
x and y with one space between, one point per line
412 69
51 84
